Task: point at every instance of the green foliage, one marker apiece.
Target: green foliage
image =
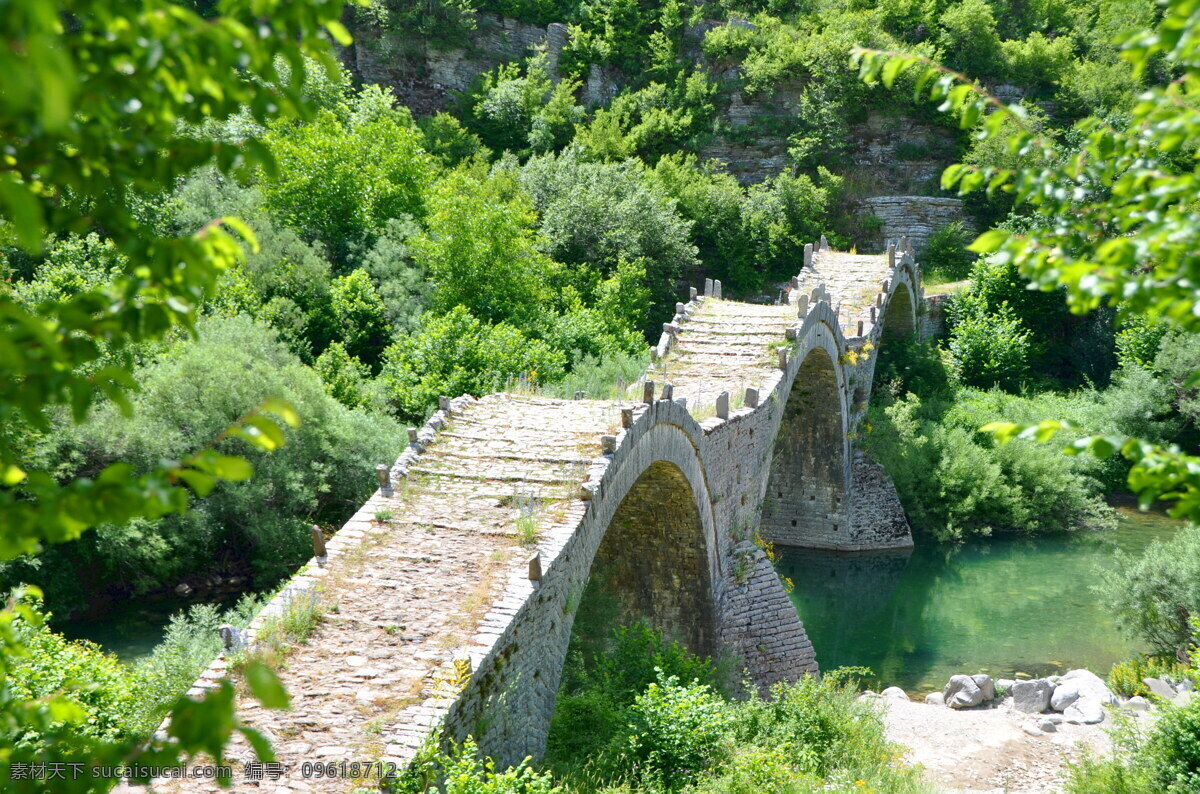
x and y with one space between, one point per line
456 353
190 643
675 732
78 164
955 483
1174 749
969 39
635 37
94 682
595 215
358 312
1153 596
601 682
946 255
1037 62
341 176
1013 333
597 377
1139 340
747 235
346 378
444 23
522 113
1164 759
989 349
460 770
1128 678
480 248
190 394
448 140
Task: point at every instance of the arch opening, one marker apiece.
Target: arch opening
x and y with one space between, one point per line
805 500
653 565
900 317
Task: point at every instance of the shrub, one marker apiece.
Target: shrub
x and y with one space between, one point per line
1165 760
480 248
1098 87
969 39
676 732
459 769
1153 596
1037 62
455 353
1128 678
401 283
447 139
346 378
953 482
188 396
596 215
516 112
991 350
1173 750
946 255
607 668
103 692
358 312
1139 340
189 643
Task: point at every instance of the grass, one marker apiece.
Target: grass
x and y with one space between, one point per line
293 625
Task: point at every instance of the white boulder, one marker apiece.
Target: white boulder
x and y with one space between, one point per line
962 692
1087 710
1032 697
986 686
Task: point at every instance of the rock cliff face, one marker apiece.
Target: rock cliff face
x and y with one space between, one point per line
423 78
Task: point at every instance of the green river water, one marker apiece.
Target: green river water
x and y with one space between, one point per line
1000 606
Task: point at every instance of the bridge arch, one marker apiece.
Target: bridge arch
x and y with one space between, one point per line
804 495
658 553
649 525
899 316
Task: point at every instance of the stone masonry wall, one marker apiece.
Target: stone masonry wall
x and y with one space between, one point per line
916 217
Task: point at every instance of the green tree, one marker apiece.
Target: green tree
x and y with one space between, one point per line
96 109
455 353
339 177
480 248
359 313
968 37
594 215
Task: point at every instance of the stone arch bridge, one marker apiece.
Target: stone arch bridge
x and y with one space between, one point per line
454 588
